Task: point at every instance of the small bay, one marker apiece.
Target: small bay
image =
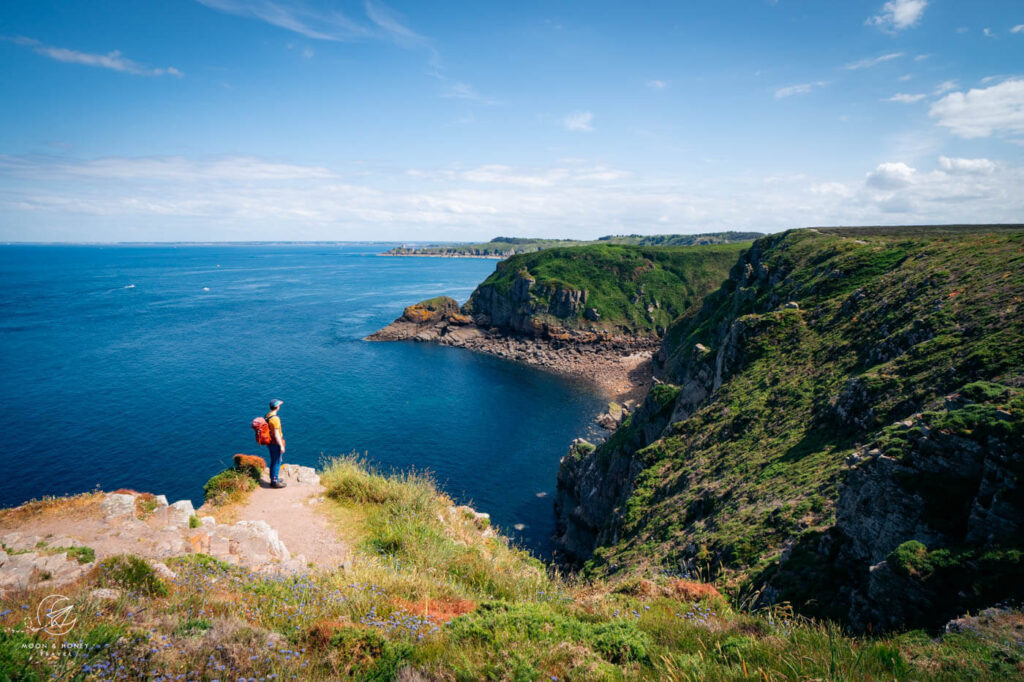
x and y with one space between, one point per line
142 366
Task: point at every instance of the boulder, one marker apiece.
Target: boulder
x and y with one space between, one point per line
105 594
163 571
179 513
300 474
118 505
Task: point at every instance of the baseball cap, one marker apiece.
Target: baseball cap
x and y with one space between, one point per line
276 403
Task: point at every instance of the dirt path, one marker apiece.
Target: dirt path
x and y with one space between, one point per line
294 512
277 531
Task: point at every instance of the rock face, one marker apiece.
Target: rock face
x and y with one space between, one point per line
28 561
950 491
591 491
524 307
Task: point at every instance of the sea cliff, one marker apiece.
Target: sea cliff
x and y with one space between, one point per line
843 394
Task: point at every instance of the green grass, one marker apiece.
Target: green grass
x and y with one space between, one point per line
381 619
133 574
228 487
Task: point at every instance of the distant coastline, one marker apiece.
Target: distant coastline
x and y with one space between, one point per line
441 255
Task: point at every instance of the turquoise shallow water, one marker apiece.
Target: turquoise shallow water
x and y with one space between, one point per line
142 366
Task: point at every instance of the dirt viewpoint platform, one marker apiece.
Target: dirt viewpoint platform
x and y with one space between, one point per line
48 543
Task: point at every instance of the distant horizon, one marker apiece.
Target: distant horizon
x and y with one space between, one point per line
437 242
389 120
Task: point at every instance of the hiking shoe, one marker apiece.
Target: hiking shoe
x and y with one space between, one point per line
278 484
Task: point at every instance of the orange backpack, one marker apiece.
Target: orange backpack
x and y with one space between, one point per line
262 429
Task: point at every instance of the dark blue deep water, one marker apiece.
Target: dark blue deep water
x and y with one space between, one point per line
142 366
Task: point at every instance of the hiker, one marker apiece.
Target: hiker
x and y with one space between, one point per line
276 444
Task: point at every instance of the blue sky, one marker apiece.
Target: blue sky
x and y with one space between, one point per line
280 119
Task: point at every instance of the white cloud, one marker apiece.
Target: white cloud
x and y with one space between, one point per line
905 98
988 33
968 166
897 15
299 19
889 176
112 60
245 198
165 168
388 21
800 89
982 112
459 90
307 52
947 194
1019 28
873 61
946 86
836 189
579 121
656 84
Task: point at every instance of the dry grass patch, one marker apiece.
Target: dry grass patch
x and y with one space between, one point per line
65 506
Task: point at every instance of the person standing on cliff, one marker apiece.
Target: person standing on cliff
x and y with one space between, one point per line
276 445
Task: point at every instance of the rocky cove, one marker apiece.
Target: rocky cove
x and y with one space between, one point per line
619 366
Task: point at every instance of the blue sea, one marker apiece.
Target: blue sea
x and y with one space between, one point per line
142 366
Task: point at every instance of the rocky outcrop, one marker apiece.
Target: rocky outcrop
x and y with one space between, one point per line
620 365
143 524
948 482
31 561
594 483
526 307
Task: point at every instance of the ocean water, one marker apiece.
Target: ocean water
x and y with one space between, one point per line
142 366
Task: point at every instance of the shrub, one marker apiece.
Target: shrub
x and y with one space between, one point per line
250 465
132 573
227 487
194 522
84 555
145 505
191 627
910 558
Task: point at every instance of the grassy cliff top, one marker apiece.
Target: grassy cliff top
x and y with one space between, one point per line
633 288
819 341
507 246
432 594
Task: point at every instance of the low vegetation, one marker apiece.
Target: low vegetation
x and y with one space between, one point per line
633 290
431 595
504 247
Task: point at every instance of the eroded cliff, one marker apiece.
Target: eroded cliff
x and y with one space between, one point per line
818 343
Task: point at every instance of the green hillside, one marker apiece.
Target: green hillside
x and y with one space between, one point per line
618 288
821 369
510 246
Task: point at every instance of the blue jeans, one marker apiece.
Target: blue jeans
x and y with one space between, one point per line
275 461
